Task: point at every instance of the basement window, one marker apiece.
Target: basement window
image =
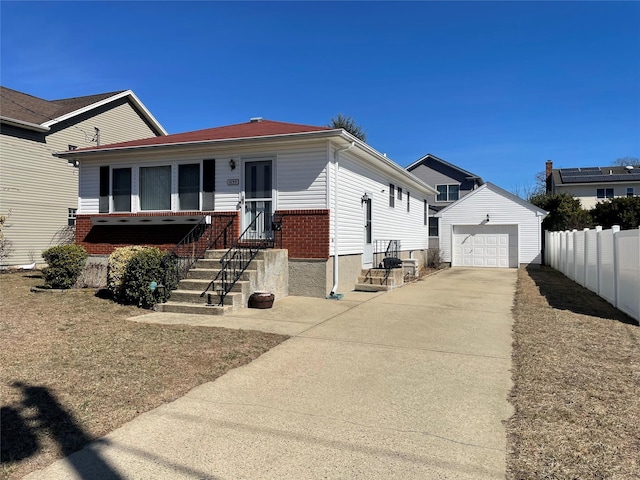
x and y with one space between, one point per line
71 217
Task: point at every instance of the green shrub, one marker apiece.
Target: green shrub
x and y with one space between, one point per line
64 265
145 267
117 266
171 267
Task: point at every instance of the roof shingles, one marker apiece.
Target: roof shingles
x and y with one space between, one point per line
27 108
251 129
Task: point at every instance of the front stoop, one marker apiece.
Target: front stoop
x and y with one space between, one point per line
373 280
188 298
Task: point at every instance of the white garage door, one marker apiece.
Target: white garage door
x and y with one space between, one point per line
485 246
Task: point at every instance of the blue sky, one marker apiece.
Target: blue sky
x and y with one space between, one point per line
494 87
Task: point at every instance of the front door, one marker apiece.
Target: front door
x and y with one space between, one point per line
367 256
258 197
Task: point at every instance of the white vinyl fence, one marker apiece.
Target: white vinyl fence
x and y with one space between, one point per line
606 262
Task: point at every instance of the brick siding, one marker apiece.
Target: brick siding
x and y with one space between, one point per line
305 233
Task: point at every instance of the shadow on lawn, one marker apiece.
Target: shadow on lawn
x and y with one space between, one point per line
564 294
40 412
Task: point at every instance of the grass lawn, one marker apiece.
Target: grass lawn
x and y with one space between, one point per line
74 369
576 373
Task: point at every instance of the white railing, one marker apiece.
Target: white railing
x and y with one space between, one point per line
606 262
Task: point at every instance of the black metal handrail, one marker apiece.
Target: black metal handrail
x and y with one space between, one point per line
192 248
386 255
237 259
384 251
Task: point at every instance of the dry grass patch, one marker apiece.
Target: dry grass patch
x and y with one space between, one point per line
74 369
576 373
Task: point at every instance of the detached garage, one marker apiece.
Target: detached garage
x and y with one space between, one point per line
491 227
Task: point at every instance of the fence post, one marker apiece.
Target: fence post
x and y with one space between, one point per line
638 317
615 229
585 257
598 257
575 263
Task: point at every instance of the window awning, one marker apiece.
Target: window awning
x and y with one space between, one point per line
149 220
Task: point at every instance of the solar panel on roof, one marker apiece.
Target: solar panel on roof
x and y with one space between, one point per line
625 177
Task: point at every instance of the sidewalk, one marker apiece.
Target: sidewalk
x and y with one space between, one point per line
407 384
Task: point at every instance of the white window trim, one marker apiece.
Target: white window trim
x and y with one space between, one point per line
135 191
447 185
605 196
135 185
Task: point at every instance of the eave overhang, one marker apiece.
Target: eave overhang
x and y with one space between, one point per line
340 136
127 93
22 124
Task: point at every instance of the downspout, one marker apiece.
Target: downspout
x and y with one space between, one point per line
333 294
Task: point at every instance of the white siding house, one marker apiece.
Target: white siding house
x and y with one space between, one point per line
330 192
491 227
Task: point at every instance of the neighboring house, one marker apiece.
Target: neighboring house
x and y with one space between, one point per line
593 184
40 190
451 183
491 227
333 196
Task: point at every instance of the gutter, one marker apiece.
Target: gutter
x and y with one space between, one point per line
195 144
336 160
22 124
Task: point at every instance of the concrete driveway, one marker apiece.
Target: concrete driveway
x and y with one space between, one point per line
408 384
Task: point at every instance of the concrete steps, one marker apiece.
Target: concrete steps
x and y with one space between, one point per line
187 297
377 280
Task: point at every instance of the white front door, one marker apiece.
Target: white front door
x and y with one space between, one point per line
258 181
367 255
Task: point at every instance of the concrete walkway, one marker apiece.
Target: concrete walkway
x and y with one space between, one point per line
407 384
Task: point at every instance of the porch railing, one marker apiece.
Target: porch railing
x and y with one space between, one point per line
192 248
385 252
237 259
386 255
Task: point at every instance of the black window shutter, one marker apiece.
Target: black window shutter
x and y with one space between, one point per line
103 206
208 184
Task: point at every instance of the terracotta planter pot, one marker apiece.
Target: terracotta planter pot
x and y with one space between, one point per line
261 300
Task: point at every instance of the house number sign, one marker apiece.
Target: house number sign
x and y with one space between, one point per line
233 181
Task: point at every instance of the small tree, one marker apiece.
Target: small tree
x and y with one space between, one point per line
350 125
6 247
565 212
623 211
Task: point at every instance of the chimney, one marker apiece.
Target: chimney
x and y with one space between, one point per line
548 172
